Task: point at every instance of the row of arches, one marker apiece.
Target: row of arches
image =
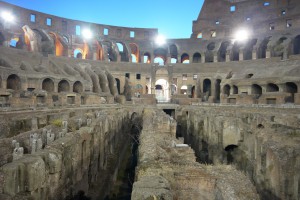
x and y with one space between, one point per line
14 82
216 51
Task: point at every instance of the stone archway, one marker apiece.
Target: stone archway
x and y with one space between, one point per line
162 90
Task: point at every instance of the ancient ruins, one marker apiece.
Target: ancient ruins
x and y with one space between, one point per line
118 116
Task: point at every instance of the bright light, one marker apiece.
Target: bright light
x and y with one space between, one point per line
160 40
241 35
7 16
87 34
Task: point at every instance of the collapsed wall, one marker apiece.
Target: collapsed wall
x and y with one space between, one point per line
62 152
261 141
167 169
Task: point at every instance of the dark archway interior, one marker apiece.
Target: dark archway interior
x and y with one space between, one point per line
229 153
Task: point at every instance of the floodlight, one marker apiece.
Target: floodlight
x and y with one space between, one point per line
160 40
241 35
87 33
7 16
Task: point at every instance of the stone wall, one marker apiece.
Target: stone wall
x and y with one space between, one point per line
167 169
263 142
62 153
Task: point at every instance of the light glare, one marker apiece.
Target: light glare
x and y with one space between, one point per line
160 40
7 16
241 35
87 34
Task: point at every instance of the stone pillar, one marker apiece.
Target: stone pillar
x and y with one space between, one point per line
94 56
215 56
241 55
254 54
227 57
203 58
268 53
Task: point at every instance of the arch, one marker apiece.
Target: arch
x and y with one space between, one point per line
209 55
173 53
123 52
229 153
78 53
291 88
160 56
111 51
183 89
63 86
13 82
296 45
135 52
235 52
256 89
197 58
271 87
226 89
147 57
48 85
13 42
222 51
193 93
249 49
138 90
99 51
206 89
217 90
262 49
185 58
235 89
278 48
61 47
162 90
77 87
118 85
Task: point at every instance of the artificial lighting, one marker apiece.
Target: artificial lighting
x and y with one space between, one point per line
87 34
7 16
160 40
241 35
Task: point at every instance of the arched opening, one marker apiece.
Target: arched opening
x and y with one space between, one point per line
262 50
291 88
61 46
217 90
185 58
173 53
147 58
138 90
197 58
118 85
206 89
278 48
249 49
78 53
48 85
159 60
173 89
13 82
296 45
256 89
209 55
222 51
162 90
13 42
235 89
193 94
160 56
226 90
235 55
78 87
135 53
111 51
122 52
183 89
230 153
63 86
272 87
